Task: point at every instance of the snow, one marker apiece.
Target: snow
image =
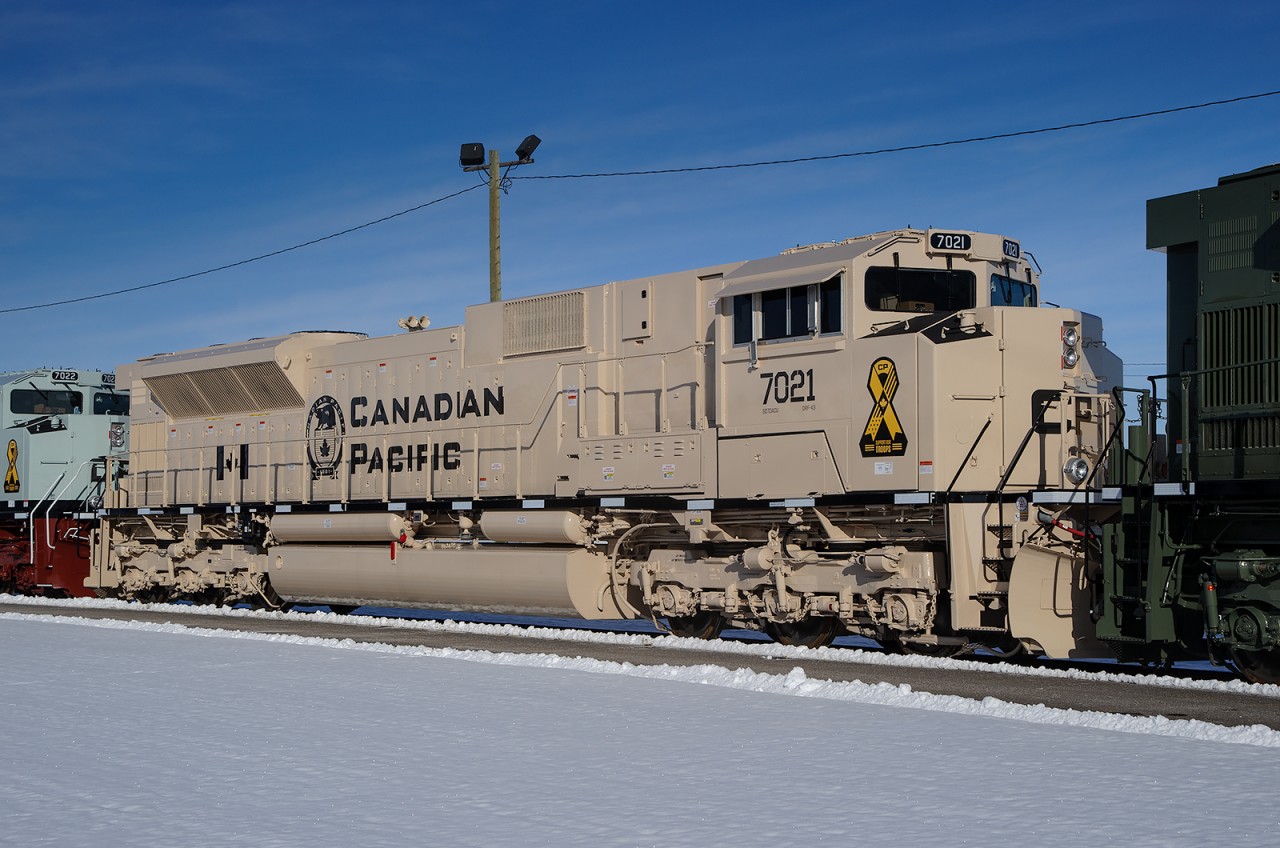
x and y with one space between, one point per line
762 648
155 734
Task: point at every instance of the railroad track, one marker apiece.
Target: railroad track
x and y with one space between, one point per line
979 678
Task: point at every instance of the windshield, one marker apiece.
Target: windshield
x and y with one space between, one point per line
110 404
1009 292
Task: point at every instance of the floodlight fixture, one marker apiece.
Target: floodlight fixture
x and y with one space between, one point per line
526 148
472 154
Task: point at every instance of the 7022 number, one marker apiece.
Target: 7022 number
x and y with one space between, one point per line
787 386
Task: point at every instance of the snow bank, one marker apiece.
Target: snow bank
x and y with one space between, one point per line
763 649
796 683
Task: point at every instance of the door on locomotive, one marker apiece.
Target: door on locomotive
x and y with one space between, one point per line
785 411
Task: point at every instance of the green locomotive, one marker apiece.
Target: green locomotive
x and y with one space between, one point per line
1193 565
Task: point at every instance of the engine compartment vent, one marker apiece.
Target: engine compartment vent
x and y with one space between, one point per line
543 324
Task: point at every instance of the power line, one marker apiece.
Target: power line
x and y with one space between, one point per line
904 148
689 170
229 265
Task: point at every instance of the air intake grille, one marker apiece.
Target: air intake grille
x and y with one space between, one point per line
1244 343
256 387
544 324
1240 392
1231 243
1240 434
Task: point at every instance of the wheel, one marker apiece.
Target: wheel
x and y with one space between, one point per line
701 625
151 595
1005 649
923 650
1257 666
812 632
210 598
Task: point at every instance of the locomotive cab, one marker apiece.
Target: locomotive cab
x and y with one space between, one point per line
58 428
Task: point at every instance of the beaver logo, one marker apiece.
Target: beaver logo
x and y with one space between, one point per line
326 429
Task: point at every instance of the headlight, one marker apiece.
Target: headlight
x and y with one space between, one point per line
1070 341
1076 470
117 435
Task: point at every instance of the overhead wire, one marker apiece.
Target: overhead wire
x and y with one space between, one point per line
506 180
904 148
237 264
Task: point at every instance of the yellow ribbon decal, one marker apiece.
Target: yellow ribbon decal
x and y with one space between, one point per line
884 435
11 481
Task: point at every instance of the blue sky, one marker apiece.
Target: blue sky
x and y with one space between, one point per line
145 140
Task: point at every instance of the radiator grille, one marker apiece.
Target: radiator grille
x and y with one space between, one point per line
176 395
256 387
544 324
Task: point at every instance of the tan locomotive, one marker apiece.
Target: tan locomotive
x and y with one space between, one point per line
887 436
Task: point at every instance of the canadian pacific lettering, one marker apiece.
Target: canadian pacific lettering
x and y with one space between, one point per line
442 406
328 438
418 457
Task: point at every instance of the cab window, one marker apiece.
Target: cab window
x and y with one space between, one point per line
794 312
1006 291
920 290
110 404
45 402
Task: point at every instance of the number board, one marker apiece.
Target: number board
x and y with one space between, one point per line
108 379
65 376
950 241
1012 249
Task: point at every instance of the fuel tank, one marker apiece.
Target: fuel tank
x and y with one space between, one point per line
490 578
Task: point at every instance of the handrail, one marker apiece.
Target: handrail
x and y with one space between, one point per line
1117 396
964 462
31 529
47 540
1275 360
1026 440
1185 378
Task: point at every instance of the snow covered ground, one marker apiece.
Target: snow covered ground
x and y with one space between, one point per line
145 734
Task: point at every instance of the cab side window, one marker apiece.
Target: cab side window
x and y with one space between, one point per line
793 312
920 290
110 404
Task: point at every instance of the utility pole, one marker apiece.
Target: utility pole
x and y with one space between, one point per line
495 229
472 158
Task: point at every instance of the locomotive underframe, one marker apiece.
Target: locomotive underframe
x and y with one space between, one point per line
1194 576
47 555
803 574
